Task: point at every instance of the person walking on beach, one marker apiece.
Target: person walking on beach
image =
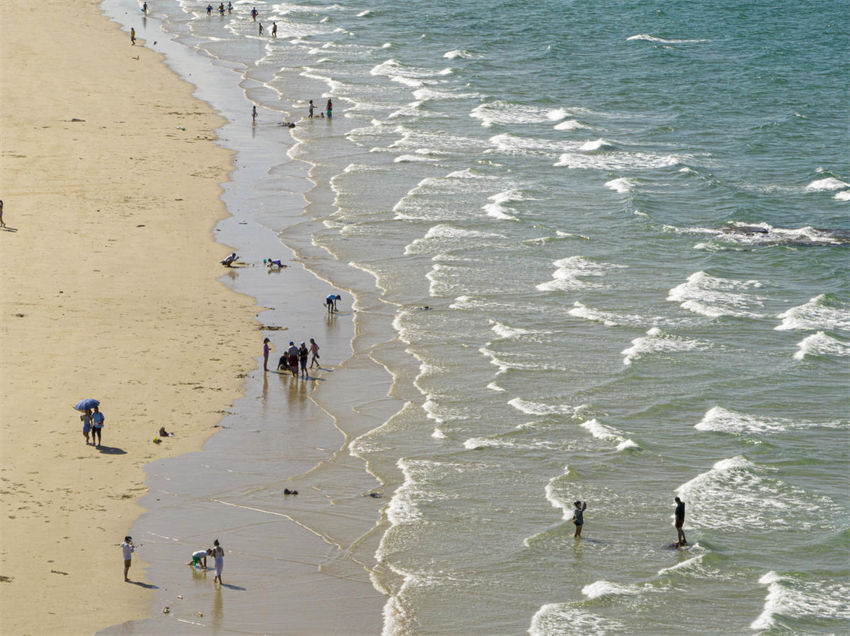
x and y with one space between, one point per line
96 426
260 30
578 517
86 419
314 349
218 554
2 223
254 114
266 349
274 29
209 9
310 109
254 14
127 549
133 36
303 353
330 108
679 522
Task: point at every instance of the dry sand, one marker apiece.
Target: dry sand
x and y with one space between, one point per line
110 184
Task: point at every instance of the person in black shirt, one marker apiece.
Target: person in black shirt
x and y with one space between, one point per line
680 521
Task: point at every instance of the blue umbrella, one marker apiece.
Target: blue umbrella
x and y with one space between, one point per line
83 405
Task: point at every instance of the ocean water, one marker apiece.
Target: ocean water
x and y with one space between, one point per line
600 252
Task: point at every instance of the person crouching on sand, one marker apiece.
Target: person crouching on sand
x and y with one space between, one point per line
199 558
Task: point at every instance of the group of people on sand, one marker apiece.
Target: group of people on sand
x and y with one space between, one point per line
199 559
294 358
678 521
92 420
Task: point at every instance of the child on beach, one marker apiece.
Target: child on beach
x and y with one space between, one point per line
199 558
227 262
266 349
314 349
330 108
97 419
86 419
133 36
127 549
275 263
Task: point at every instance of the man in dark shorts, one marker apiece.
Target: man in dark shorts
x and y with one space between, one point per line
679 522
578 517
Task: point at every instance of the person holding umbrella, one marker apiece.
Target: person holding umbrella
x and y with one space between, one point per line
86 406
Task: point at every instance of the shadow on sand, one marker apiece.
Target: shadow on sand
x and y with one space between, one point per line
147 586
111 450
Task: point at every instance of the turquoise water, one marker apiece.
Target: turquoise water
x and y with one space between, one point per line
629 226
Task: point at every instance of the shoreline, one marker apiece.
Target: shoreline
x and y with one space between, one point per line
101 301
333 530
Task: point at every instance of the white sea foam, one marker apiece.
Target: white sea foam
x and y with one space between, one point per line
572 271
497 208
596 145
736 494
621 185
789 596
821 344
570 124
827 184
689 564
504 331
457 53
714 296
615 160
657 342
820 312
608 433
564 618
445 236
506 113
762 234
495 387
725 421
540 408
844 195
602 588
651 38
413 159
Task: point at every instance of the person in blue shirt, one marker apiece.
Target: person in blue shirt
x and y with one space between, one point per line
97 419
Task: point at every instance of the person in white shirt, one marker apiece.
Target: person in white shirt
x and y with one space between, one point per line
218 553
127 548
199 558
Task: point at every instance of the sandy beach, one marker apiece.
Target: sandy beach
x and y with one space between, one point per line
110 183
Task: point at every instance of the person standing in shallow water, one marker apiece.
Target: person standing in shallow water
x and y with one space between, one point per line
679 522
330 108
266 349
314 349
218 555
578 517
